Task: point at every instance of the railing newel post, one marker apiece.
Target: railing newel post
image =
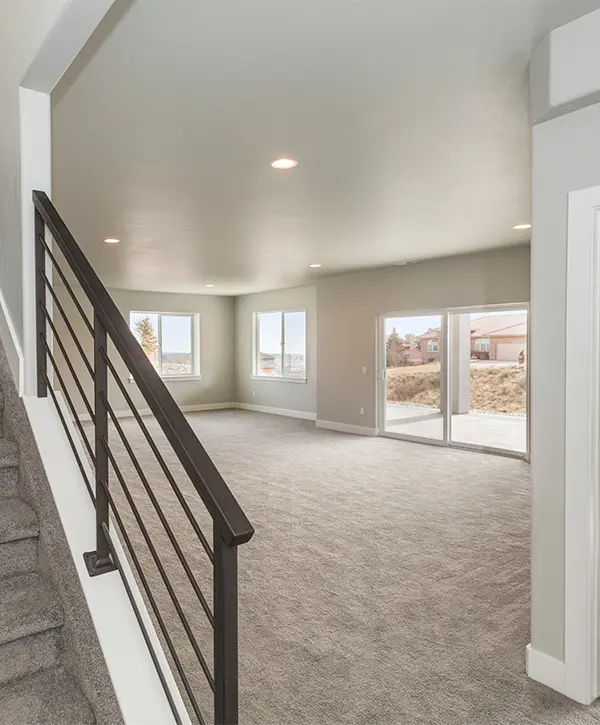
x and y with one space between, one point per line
40 306
225 606
100 561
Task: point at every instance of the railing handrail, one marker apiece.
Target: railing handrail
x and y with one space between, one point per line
230 519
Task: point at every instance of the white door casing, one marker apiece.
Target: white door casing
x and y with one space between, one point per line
582 417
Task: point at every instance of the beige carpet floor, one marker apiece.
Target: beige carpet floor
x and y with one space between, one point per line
387 583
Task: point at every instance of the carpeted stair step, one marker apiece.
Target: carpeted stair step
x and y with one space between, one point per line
1 413
30 619
18 537
9 468
50 697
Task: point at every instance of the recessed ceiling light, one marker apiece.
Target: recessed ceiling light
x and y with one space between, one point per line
522 226
210 285
111 240
282 164
315 266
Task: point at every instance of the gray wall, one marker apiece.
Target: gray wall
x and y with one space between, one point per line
275 393
566 156
348 307
216 346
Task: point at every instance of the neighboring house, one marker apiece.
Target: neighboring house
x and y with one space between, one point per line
497 337
267 363
503 337
430 345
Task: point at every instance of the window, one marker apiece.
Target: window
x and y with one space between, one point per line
482 344
433 346
280 345
169 340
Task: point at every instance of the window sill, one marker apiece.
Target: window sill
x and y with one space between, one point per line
279 379
172 378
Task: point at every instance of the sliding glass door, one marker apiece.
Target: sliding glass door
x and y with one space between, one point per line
411 374
457 377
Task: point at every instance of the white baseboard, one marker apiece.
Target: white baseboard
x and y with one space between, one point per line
12 347
84 417
546 670
361 430
276 411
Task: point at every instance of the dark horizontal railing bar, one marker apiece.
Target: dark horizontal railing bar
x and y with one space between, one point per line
74 375
67 285
214 492
69 436
160 514
161 461
63 314
142 625
160 567
72 408
153 604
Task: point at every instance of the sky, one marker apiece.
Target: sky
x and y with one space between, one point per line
419 325
269 330
176 331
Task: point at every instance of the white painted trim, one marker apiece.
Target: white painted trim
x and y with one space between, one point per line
77 21
582 428
361 430
85 417
279 379
36 173
132 671
10 340
277 411
545 669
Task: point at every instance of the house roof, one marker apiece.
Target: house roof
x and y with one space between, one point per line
490 326
500 326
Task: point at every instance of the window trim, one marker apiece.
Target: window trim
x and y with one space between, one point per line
256 346
432 341
195 335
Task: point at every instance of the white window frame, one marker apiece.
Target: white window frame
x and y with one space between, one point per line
433 343
195 334
482 344
256 347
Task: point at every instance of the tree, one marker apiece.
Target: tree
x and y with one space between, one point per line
396 350
418 343
146 336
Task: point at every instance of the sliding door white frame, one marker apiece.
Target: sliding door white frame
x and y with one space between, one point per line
382 371
445 377
492 449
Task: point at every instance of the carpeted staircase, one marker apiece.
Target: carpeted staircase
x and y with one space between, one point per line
35 689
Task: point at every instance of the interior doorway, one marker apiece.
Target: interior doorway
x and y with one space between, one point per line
456 377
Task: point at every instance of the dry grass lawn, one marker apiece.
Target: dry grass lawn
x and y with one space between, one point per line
494 388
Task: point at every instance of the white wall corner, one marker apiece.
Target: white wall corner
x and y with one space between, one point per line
71 31
360 430
36 173
545 669
10 340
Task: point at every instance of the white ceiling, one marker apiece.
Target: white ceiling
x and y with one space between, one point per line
409 119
